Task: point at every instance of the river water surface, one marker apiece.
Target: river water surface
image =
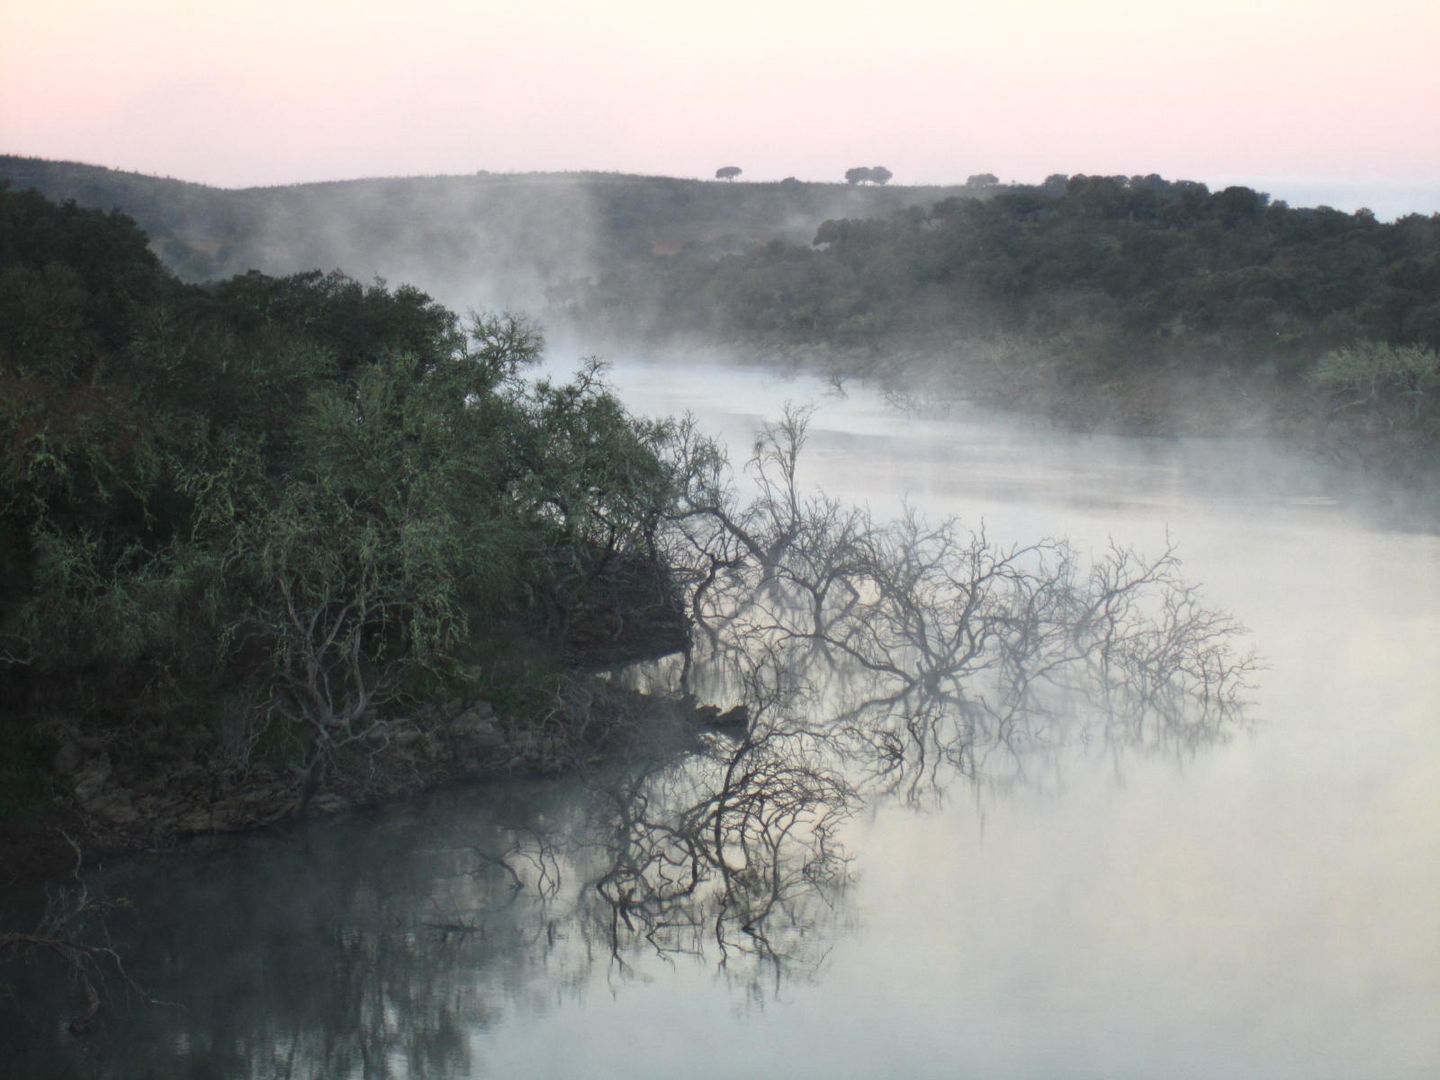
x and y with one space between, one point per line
1265 903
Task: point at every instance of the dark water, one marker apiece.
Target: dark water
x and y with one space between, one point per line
1260 903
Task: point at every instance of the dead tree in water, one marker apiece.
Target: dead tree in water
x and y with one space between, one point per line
871 656
922 641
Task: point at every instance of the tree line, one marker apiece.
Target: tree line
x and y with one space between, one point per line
1110 276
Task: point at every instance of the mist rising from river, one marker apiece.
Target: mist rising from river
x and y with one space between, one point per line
1259 904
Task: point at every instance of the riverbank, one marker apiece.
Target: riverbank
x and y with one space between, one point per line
1039 383
135 792
1291 851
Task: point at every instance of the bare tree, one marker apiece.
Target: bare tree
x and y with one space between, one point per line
324 682
919 641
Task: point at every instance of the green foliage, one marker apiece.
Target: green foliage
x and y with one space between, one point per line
1114 299
1144 265
301 493
1383 386
528 236
873 174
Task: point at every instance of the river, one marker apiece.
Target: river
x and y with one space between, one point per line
1258 904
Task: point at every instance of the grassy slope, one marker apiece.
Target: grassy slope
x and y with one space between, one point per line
482 240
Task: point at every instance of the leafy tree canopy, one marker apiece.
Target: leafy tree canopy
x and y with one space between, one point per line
873 174
303 493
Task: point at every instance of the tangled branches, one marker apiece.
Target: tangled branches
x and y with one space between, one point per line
732 847
870 657
917 642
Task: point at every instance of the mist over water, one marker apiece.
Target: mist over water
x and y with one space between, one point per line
1253 908
1258 903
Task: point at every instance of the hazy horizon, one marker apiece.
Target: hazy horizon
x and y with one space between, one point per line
1387 202
1314 102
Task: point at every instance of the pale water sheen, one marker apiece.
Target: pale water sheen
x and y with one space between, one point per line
1268 906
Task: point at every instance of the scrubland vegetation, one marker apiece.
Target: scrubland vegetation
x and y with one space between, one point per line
274 544
278 528
286 516
1136 303
498 239
272 512
271 543
1104 299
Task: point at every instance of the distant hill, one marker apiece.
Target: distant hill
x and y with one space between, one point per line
487 240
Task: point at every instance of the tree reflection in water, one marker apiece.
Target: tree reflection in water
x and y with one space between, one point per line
920 651
871 659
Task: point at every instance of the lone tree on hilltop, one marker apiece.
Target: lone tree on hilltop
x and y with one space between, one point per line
983 180
877 174
728 172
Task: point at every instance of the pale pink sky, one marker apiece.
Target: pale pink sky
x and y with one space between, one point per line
258 91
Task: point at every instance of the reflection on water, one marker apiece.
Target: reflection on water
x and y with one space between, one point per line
389 943
393 943
913 860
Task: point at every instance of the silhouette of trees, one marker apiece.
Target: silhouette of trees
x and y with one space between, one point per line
728 172
872 174
927 639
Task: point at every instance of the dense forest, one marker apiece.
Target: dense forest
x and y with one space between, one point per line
1087 283
266 514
